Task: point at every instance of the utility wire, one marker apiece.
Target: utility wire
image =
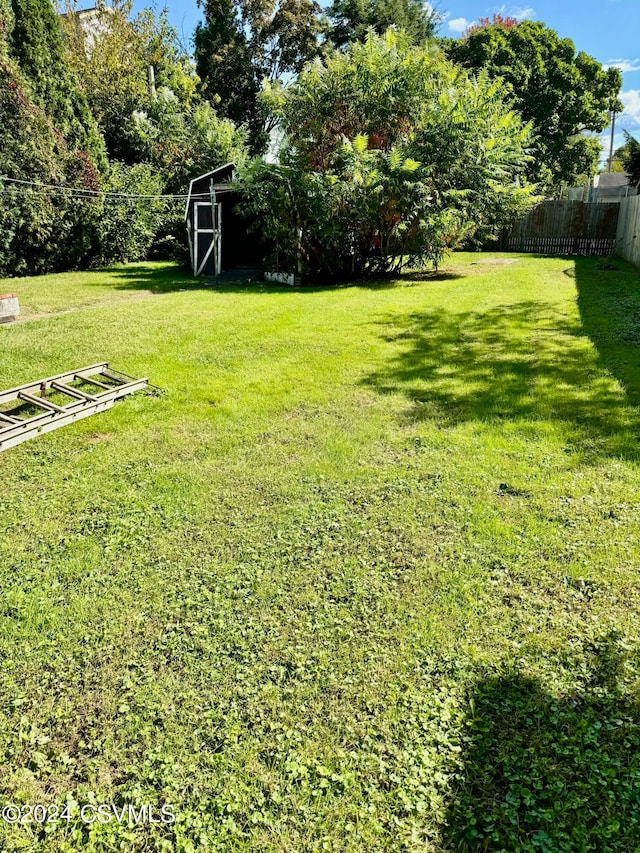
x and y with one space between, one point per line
94 193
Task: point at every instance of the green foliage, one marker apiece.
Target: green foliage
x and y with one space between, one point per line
616 163
41 229
6 24
47 136
128 226
166 138
174 133
352 19
559 92
243 42
112 61
181 143
630 157
368 186
370 214
35 42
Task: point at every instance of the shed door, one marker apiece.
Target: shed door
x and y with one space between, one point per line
207 239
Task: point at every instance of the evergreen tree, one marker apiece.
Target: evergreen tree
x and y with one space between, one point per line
631 159
352 19
36 43
41 229
244 42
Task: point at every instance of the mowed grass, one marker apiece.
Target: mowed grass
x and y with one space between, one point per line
364 577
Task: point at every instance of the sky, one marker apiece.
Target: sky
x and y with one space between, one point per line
606 29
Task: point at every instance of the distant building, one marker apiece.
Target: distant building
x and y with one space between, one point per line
91 22
611 186
608 186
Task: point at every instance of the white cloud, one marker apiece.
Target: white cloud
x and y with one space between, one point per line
459 25
631 100
624 64
518 12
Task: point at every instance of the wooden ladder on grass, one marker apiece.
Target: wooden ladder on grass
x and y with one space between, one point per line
29 410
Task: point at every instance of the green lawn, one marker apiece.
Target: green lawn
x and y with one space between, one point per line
365 577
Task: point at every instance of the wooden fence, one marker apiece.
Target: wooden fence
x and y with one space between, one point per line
565 228
628 237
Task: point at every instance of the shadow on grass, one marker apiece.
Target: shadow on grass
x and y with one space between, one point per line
548 773
154 278
609 304
409 278
524 360
174 278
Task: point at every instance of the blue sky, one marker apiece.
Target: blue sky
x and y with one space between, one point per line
609 30
605 29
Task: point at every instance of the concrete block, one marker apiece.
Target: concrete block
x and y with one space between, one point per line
9 307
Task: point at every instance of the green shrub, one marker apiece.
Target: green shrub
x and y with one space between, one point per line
366 185
128 226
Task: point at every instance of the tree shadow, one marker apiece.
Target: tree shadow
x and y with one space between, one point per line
428 276
167 279
551 773
410 278
523 360
609 304
154 278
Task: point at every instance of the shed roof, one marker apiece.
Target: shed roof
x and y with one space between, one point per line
224 174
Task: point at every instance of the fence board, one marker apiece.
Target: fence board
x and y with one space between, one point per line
628 237
565 228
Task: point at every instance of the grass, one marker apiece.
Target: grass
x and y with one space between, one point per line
363 578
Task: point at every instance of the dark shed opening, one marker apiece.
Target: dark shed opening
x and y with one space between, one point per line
219 238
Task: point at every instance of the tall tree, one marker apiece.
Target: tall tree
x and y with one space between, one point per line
366 185
244 42
111 53
36 43
561 92
42 228
352 19
630 156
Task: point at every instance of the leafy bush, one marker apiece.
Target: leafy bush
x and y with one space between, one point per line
128 225
48 142
367 185
369 215
182 143
42 229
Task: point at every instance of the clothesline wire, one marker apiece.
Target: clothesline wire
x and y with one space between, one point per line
91 194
